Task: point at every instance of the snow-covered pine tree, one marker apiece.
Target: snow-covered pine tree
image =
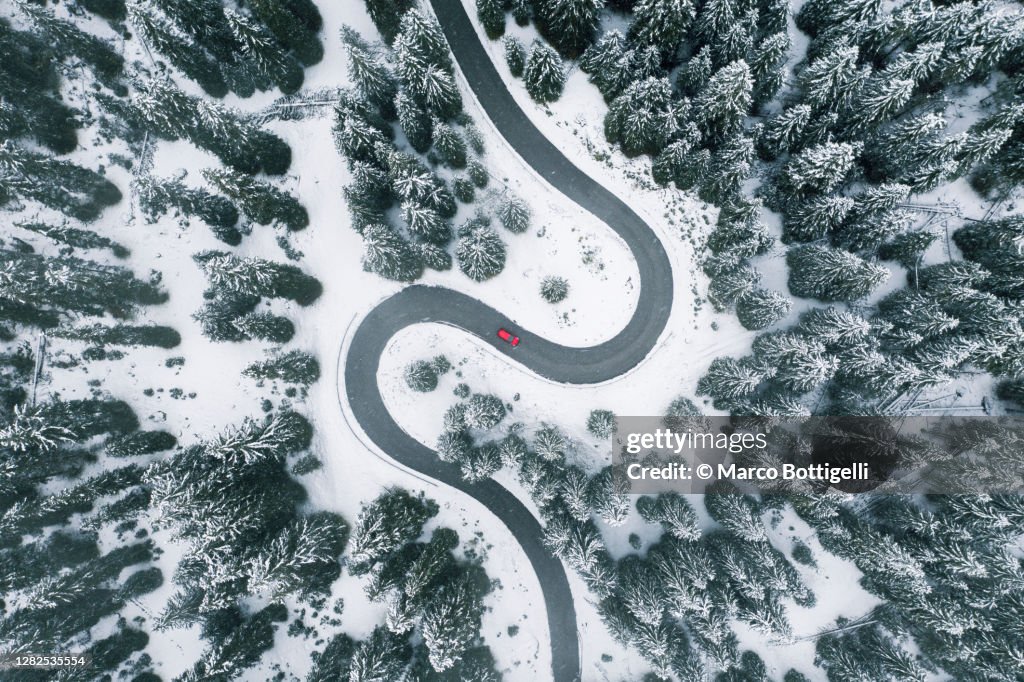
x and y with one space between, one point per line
420 376
265 326
569 25
544 74
383 656
515 55
30 431
834 327
820 169
727 379
833 79
739 232
426 224
451 622
478 173
799 364
262 202
390 256
293 367
643 118
294 28
760 308
387 15
695 74
480 463
739 513
68 284
554 289
435 257
601 423
640 590
784 131
726 98
424 65
816 217
609 495
674 514
368 72
69 39
160 36
264 53
913 314
415 122
817 15
157 196
728 284
302 554
480 253
662 23
251 276
549 443
715 18
484 411
766 66
522 11
514 214
604 62
737 40
449 145
491 14
573 491
831 275
392 519
59 184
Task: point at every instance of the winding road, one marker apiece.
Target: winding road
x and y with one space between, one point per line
417 304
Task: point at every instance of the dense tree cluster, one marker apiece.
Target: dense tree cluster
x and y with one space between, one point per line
165 111
262 46
78 192
235 505
433 597
38 290
865 123
57 579
237 285
676 604
411 89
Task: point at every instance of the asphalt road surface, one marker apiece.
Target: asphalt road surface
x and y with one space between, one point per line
417 304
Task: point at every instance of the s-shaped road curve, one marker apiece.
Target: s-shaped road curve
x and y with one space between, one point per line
416 304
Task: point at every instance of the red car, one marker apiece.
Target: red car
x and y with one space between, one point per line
507 336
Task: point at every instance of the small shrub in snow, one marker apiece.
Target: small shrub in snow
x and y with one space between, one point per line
554 289
478 174
492 17
515 56
514 214
421 376
600 423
